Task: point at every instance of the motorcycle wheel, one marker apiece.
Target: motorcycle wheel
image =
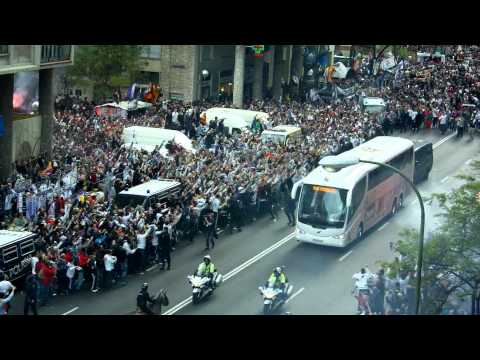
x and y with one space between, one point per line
266 309
196 298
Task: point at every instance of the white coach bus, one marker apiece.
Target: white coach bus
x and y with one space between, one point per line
336 207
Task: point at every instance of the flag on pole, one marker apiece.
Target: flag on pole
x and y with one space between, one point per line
131 92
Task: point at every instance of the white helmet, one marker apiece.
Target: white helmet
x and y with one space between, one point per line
207 257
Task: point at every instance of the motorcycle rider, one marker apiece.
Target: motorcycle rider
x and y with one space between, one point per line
278 279
207 269
142 298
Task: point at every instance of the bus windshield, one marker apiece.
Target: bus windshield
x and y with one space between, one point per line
322 206
276 138
124 200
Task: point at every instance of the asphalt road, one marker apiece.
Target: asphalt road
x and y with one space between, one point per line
321 276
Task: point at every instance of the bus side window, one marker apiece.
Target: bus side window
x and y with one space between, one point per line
374 178
358 195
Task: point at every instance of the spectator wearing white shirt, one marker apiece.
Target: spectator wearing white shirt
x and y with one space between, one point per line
130 255
215 203
5 302
361 279
6 294
71 269
126 218
109 260
141 246
34 262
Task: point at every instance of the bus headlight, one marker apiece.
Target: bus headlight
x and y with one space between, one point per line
338 237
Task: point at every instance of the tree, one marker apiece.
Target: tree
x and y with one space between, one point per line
105 67
452 255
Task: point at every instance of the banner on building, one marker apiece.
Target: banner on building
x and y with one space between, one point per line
2 126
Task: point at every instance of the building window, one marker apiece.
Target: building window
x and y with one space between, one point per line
205 52
3 49
226 73
152 51
54 53
147 77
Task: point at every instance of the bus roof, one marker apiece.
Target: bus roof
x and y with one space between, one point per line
381 149
8 236
153 186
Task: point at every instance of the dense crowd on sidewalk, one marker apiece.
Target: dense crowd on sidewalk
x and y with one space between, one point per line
85 238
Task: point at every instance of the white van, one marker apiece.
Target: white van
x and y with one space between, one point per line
282 134
16 251
236 120
148 193
372 104
147 138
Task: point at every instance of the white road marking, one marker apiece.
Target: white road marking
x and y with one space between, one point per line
468 161
383 226
440 142
235 271
297 293
152 267
444 179
70 311
345 256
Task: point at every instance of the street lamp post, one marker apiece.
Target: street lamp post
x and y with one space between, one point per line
334 162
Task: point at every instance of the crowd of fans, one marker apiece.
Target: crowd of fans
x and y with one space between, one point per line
229 180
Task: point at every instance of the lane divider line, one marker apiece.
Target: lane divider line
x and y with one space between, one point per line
444 179
235 271
259 256
440 142
152 267
345 256
71 311
383 226
295 294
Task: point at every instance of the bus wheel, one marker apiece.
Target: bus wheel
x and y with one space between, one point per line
394 207
360 232
401 204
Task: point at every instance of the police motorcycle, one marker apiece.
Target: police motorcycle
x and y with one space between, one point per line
274 297
203 286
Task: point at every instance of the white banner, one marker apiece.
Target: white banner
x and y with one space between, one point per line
387 63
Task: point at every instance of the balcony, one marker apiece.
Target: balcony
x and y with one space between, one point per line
56 54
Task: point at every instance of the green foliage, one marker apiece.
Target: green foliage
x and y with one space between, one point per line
105 67
451 258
